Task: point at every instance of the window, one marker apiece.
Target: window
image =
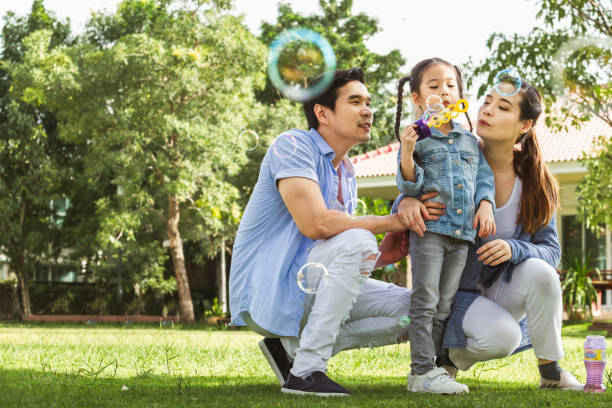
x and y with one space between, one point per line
577 239
54 273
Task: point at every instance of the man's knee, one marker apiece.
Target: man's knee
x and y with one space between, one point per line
358 240
360 245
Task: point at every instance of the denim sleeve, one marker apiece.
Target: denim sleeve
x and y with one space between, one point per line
485 182
544 245
395 206
409 188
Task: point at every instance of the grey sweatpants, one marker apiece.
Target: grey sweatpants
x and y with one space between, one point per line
437 263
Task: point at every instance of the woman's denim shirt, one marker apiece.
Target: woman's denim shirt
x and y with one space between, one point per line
455 167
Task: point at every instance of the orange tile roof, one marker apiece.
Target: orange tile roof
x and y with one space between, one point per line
557 146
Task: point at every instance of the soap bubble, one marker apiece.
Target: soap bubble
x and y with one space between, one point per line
249 139
580 61
507 82
312 278
301 64
284 146
404 321
356 208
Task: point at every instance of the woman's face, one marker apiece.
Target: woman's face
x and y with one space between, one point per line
499 118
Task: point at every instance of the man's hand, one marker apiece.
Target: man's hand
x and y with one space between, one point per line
485 219
412 212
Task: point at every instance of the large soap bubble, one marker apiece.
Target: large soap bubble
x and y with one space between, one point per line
301 64
507 82
312 278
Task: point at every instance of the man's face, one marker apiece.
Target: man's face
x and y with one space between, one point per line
352 117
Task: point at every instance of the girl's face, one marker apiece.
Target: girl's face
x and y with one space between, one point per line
440 80
499 118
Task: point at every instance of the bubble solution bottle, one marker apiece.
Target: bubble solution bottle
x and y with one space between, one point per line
595 362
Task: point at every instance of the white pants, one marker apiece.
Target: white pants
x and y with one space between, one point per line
352 311
491 322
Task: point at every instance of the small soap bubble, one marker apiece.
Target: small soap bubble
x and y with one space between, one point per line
312 278
356 208
284 146
301 64
507 82
404 321
249 139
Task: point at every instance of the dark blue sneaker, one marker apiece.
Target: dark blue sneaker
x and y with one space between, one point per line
317 383
277 357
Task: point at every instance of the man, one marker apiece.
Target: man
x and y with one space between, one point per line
296 215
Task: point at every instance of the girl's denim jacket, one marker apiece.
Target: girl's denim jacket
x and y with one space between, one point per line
455 167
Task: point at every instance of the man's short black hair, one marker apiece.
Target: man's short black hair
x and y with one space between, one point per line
329 97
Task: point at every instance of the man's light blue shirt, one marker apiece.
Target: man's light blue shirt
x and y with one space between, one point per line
269 249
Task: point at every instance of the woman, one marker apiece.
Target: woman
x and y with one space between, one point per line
509 277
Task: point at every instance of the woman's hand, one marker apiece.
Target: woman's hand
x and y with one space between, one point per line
495 252
412 212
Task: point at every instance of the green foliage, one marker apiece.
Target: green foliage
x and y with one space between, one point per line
594 192
584 95
215 309
347 33
578 289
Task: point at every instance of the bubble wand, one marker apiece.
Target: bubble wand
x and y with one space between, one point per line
436 114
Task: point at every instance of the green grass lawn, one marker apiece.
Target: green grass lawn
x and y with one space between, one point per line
138 366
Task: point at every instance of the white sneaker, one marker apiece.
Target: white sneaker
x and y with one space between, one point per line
567 382
436 381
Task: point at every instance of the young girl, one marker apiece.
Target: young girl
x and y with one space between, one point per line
450 163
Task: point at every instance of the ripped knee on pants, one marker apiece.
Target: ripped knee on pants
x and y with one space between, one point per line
368 262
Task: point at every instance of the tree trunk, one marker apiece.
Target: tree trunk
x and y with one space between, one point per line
22 286
19 265
178 260
222 280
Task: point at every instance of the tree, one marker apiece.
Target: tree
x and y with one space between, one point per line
347 34
158 94
576 88
571 66
30 155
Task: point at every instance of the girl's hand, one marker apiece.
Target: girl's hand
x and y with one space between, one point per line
408 139
485 219
495 252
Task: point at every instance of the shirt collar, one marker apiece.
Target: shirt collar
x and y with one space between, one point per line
321 144
328 152
457 128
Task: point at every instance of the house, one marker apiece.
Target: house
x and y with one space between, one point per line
562 150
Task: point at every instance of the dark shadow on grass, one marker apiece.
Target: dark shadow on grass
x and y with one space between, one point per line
110 325
32 388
